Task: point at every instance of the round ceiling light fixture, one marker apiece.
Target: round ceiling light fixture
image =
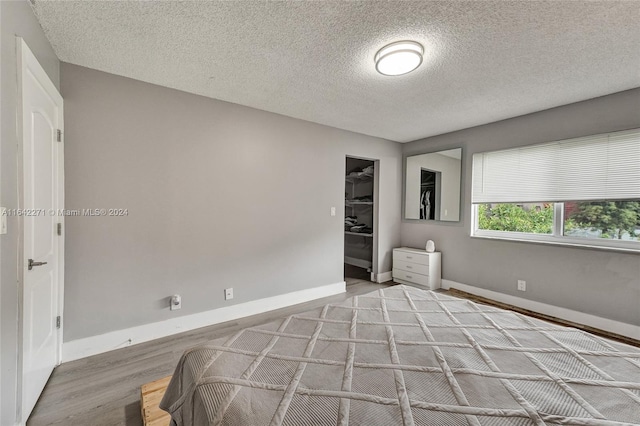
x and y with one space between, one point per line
399 58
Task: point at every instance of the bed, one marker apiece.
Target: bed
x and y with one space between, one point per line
407 356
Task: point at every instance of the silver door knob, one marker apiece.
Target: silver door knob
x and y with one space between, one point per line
32 264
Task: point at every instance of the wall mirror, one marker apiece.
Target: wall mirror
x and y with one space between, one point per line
432 186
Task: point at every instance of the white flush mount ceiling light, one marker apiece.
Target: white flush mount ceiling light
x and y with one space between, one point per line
399 58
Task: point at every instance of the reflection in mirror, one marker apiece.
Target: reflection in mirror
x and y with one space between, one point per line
432 186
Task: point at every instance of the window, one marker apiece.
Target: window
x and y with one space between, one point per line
528 218
613 220
583 191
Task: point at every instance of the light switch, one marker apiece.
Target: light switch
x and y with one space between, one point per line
333 211
3 220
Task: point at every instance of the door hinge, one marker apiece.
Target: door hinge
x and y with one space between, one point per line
59 135
59 228
58 319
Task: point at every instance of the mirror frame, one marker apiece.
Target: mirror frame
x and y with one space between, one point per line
461 210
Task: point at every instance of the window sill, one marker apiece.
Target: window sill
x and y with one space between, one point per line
556 241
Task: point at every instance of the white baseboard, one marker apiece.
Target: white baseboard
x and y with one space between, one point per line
94 345
612 326
383 277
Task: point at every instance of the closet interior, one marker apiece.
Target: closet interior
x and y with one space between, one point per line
429 184
359 206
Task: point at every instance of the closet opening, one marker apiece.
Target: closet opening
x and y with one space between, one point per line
429 194
360 220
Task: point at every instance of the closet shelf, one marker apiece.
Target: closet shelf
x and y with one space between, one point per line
360 234
358 203
361 263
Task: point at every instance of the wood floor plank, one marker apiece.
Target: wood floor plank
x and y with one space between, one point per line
104 390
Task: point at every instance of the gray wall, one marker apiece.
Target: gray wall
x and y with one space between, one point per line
219 195
601 283
1 318
16 19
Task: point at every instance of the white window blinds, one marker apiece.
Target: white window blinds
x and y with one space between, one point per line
599 167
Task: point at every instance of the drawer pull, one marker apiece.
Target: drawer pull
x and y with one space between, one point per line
409 257
409 276
409 267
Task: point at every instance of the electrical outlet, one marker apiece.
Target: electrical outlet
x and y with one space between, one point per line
522 285
333 211
176 302
228 293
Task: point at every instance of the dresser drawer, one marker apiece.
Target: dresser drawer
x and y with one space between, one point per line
411 267
405 256
411 277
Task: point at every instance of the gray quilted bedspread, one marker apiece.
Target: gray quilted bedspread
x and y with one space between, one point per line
404 356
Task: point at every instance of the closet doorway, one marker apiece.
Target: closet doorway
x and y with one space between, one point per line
430 194
360 219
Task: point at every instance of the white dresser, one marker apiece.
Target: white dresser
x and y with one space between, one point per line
414 266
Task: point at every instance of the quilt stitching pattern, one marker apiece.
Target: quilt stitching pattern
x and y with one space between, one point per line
474 365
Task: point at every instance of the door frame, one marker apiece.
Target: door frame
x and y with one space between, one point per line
26 61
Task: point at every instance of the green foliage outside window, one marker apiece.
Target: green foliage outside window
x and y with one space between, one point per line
516 218
602 219
612 218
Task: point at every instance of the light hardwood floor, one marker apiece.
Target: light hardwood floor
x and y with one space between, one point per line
105 389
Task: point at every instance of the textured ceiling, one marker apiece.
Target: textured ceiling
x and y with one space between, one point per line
485 61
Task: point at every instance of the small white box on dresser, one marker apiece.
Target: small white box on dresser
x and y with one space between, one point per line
417 267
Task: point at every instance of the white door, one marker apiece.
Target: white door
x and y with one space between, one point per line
42 174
